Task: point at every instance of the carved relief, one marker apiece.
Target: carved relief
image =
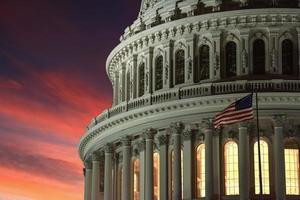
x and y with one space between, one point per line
274 60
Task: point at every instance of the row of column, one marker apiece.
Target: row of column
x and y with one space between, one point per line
92 170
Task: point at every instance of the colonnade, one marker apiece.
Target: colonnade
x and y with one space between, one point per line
176 132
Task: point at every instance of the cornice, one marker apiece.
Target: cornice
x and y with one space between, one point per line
209 105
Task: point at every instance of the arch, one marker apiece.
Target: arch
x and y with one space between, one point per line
200 171
158 72
287 57
202 71
230 59
136 179
265 166
156 171
179 66
231 168
141 79
292 174
259 57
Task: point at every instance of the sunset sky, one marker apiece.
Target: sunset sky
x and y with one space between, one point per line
52 82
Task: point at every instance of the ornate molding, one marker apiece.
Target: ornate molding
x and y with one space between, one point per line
108 148
162 139
126 140
176 127
97 156
149 133
187 134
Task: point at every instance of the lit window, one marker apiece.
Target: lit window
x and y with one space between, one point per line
159 73
231 59
136 179
156 175
287 57
264 154
259 57
291 155
231 168
179 67
200 170
141 80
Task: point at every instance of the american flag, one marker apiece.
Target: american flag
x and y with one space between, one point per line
239 111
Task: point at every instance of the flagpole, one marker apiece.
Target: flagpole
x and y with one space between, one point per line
258 142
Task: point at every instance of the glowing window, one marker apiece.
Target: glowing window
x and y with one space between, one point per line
259 57
291 155
179 67
200 170
159 73
156 175
264 154
287 57
136 179
141 80
231 168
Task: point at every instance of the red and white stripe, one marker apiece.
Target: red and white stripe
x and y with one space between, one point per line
230 115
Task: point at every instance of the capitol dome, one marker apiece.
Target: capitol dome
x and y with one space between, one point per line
178 65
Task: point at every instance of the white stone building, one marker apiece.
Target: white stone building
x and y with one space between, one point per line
179 64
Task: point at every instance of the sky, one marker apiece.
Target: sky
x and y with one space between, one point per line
52 83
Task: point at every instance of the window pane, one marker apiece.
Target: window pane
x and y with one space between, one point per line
259 57
141 80
231 168
230 59
179 67
156 175
264 153
136 179
292 171
287 57
200 171
159 73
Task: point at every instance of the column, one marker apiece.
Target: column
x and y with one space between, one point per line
141 147
176 129
167 71
278 122
163 165
208 133
148 70
96 176
187 164
149 133
216 165
189 69
116 88
87 180
126 175
134 78
215 69
244 163
108 172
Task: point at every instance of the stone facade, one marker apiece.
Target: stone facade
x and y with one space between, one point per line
179 64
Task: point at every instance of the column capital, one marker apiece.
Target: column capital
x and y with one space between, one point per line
176 127
278 120
126 140
149 133
187 134
88 164
108 148
96 156
244 125
206 124
162 139
141 145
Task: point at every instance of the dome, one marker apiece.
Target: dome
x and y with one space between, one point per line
176 67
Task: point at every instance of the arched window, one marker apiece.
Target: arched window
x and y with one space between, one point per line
179 67
264 154
128 84
259 57
159 72
200 179
136 179
231 168
291 156
156 175
202 72
287 57
230 59
142 80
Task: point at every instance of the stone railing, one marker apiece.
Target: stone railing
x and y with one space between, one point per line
205 89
